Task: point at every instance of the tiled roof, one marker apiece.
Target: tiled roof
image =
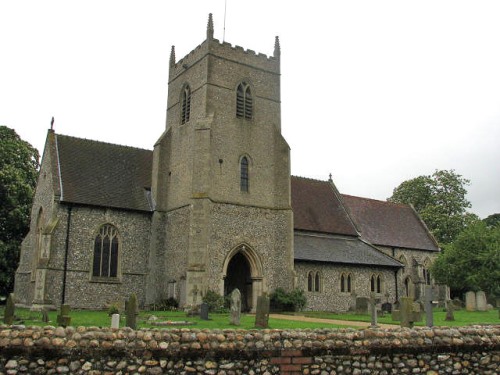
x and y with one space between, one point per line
104 174
389 224
317 207
337 249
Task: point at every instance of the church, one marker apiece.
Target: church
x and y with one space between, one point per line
212 207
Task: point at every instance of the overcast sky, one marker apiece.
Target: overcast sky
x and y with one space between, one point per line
374 92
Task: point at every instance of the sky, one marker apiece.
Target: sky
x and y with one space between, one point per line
373 92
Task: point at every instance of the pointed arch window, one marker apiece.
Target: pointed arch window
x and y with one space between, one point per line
376 284
346 283
106 245
244 182
314 281
244 101
186 104
310 282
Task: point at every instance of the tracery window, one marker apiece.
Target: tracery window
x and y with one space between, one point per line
346 283
244 182
314 281
186 104
244 101
106 245
376 284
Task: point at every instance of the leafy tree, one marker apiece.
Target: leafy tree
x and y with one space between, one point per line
492 220
440 201
19 164
472 261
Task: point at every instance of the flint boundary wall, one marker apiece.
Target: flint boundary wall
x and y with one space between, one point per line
91 350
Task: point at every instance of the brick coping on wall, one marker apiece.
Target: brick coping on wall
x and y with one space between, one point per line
291 351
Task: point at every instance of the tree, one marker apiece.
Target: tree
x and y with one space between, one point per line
492 220
440 201
472 261
19 164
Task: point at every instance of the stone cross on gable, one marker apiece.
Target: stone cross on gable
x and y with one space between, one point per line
407 313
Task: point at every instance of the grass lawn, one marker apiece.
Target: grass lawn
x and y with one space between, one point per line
221 321
462 317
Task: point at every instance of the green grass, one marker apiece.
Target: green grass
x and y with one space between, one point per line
221 321
462 317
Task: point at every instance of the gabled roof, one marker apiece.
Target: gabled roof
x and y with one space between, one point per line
389 224
104 174
317 207
340 250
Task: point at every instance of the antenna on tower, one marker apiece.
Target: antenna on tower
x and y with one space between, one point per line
224 33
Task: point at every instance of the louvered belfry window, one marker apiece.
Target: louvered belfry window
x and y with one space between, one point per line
106 252
186 104
244 174
244 101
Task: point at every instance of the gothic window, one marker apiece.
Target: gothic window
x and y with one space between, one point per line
314 281
346 283
310 282
186 104
244 174
106 253
376 284
244 101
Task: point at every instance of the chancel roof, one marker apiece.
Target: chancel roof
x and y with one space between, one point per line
326 248
104 174
389 224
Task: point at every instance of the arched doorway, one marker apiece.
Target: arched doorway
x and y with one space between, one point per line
238 276
243 270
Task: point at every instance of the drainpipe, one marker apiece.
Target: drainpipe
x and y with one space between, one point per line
66 251
396 283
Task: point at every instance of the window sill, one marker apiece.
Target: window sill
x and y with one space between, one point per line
106 280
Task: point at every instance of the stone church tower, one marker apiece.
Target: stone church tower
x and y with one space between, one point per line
221 179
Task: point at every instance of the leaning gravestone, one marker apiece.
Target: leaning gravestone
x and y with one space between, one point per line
470 301
262 312
10 306
362 304
235 308
63 319
481 303
45 315
131 311
204 311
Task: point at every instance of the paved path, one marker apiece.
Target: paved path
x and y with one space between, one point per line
328 321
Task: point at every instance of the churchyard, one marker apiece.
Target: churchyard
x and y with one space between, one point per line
147 319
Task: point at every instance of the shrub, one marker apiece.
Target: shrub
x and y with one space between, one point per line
169 304
288 301
215 302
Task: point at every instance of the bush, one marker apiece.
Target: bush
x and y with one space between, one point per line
288 301
215 302
169 304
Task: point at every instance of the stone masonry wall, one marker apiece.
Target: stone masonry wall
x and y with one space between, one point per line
81 350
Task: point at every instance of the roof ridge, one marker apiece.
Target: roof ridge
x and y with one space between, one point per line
103 143
309 179
377 200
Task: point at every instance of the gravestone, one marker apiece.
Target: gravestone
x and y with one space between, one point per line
131 312
63 319
387 307
262 312
10 306
408 312
235 308
373 311
45 315
115 321
362 305
450 317
470 301
481 303
204 311
429 316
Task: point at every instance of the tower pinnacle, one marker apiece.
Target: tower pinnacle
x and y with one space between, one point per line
277 48
172 56
210 27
